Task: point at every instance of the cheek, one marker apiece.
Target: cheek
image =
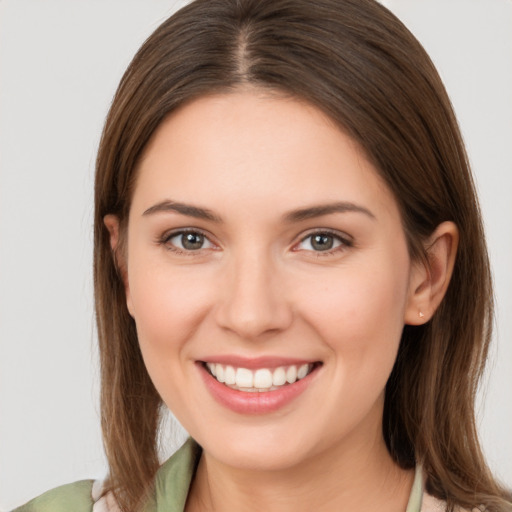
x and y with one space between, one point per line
167 306
359 314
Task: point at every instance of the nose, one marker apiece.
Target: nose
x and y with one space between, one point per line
253 302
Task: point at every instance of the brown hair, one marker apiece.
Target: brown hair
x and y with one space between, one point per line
356 62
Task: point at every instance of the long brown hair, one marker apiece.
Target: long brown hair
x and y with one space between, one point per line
356 62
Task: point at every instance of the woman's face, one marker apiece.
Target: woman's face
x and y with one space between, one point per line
264 248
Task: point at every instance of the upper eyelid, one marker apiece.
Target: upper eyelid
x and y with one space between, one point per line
178 231
345 237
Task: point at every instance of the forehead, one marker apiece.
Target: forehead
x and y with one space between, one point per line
250 146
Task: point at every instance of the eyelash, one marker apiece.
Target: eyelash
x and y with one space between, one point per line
344 242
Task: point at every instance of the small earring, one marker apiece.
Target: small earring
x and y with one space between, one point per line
421 315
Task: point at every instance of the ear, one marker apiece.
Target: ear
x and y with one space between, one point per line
113 226
429 280
111 222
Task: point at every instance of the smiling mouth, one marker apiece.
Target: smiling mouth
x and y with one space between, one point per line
261 379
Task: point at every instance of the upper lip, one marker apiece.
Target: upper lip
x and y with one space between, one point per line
257 362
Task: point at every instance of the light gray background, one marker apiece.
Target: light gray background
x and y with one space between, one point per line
60 62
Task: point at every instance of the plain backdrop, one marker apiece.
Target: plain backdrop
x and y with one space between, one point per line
60 62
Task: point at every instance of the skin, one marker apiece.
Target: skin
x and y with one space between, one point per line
258 287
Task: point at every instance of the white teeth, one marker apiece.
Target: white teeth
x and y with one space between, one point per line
262 379
244 378
279 376
219 372
291 374
230 375
302 371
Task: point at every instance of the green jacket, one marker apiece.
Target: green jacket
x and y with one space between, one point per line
171 488
170 493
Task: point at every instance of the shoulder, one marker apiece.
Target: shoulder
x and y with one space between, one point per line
75 497
431 504
171 489
172 484
421 501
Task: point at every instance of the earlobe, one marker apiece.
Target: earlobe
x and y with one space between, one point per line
429 280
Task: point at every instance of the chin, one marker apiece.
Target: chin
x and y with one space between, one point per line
259 450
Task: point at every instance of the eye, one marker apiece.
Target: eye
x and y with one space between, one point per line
188 241
322 241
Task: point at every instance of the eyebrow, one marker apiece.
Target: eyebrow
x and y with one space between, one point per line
326 209
184 209
294 216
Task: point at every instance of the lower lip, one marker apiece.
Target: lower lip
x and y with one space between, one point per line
258 402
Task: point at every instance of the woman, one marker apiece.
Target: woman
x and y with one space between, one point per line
289 255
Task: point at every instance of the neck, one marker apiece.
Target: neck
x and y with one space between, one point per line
356 476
